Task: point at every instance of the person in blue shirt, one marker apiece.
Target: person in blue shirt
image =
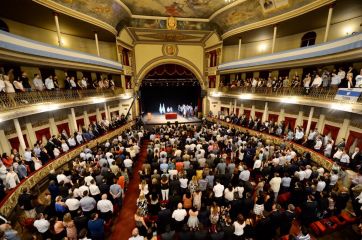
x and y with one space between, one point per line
96 227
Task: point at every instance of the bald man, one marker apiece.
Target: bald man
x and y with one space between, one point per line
135 235
105 207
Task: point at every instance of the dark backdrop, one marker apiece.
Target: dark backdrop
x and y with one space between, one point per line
171 96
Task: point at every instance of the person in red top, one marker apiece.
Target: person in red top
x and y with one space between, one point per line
121 181
179 166
8 161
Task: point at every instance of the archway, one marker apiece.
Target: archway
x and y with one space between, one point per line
170 88
147 67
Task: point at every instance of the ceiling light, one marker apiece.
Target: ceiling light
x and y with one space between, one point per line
348 30
262 47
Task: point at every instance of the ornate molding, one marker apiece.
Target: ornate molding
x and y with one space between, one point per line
316 157
170 50
10 203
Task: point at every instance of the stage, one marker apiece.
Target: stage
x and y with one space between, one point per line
157 118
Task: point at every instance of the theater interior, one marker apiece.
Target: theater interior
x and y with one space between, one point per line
181 119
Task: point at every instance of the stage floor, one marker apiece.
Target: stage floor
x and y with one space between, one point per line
157 118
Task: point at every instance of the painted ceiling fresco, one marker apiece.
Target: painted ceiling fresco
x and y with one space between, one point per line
175 8
246 12
252 11
108 11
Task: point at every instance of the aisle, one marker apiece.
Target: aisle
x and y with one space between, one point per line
124 223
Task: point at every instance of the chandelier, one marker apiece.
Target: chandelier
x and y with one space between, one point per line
229 1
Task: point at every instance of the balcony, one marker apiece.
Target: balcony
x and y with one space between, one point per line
25 103
319 97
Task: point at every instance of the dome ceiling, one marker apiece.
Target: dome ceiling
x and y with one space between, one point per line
200 14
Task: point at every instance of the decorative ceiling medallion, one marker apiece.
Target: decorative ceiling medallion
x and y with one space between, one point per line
171 23
170 49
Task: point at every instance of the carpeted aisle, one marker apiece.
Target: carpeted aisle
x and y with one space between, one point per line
124 223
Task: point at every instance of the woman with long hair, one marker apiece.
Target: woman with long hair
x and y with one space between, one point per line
239 226
140 222
214 217
70 227
165 187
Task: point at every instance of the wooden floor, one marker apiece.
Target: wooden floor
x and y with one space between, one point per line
156 118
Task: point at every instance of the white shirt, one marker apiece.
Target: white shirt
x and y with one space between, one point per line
62 177
94 190
72 204
218 190
320 186
38 83
275 184
179 214
183 182
88 179
65 147
105 206
128 163
9 88
49 84
239 228
299 135
257 164
286 181
41 225
333 179
244 175
344 158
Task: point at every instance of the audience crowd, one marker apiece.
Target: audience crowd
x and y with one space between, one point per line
219 183
321 78
11 84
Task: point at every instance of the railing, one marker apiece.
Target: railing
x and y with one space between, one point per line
11 199
326 94
318 158
21 99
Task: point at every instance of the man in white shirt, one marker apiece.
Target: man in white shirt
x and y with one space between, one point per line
321 185
42 225
218 191
38 83
179 216
275 185
105 207
71 141
245 174
344 158
49 83
72 204
318 144
299 134
317 82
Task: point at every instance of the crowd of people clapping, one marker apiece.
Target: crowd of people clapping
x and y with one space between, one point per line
9 83
321 78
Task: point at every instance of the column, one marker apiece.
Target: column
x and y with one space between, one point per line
86 119
343 132
274 38
265 113
252 112
309 121
30 133
137 107
299 121
239 52
20 134
4 143
97 44
234 106
123 81
330 11
120 110
109 113
231 108
321 121
98 115
74 120
204 106
217 84
53 127
281 116
241 111
106 111
118 56
58 29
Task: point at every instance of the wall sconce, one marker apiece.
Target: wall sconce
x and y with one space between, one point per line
348 30
262 47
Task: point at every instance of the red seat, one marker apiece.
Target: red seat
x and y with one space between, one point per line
284 198
338 220
348 217
318 228
26 223
331 226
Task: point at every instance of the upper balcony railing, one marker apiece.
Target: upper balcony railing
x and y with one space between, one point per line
322 94
23 99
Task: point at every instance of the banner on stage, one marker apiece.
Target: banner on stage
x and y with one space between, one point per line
347 94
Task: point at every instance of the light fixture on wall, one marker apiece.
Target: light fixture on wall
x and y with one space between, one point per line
348 30
229 1
262 47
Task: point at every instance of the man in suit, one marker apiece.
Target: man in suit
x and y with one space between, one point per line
164 218
356 158
286 220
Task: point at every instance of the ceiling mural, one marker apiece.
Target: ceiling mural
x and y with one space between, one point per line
108 11
253 10
175 8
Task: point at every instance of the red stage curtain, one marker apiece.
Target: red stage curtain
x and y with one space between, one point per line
103 114
273 117
237 111
258 115
331 129
212 81
92 118
128 82
247 113
312 125
42 132
15 143
352 137
290 121
63 126
225 109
